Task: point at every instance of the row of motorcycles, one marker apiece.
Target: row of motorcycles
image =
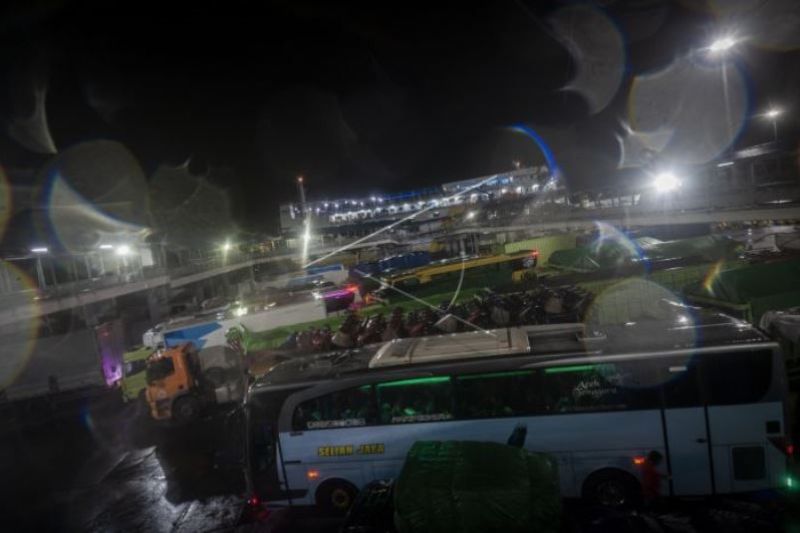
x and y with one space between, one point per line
487 310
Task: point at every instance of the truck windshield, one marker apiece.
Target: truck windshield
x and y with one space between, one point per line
160 369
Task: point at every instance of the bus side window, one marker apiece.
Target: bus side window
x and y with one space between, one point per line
595 387
496 394
737 378
344 408
415 400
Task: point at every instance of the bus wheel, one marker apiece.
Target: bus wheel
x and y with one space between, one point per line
336 496
185 409
612 488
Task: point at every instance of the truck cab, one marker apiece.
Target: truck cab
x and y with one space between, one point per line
182 380
174 389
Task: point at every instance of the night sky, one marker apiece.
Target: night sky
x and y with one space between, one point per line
359 98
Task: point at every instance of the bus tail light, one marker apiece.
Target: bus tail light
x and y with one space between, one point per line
312 474
784 445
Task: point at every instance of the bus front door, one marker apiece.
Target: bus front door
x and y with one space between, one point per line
689 460
686 426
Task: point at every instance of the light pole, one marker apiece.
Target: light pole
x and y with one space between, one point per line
721 47
39 251
306 220
772 115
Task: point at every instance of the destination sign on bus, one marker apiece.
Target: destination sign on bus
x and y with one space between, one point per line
349 449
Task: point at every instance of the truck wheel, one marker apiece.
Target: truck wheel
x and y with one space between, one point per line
186 409
336 496
612 488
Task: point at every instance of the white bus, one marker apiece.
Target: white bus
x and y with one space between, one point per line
709 397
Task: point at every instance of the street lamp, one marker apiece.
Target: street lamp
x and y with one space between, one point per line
122 250
722 45
666 182
226 247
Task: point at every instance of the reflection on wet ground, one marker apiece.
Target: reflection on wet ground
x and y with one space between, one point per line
112 470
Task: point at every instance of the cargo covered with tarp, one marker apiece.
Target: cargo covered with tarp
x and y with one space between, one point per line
545 245
609 254
618 251
708 248
457 486
749 292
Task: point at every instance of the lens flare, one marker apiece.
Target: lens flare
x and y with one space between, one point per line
190 207
641 310
608 235
597 47
96 193
547 153
701 104
712 275
20 319
771 25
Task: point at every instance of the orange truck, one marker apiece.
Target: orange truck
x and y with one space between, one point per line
181 382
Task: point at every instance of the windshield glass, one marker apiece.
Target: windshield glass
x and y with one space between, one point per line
159 369
545 253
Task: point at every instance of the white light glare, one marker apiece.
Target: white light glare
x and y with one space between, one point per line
471 215
666 182
722 45
123 249
773 113
226 247
39 250
106 246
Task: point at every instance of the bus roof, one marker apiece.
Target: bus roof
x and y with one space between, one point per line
469 345
704 329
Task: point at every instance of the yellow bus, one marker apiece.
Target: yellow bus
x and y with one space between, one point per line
484 271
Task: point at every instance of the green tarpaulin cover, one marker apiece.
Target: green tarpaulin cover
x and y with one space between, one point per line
465 487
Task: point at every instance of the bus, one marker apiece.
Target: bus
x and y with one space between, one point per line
468 272
706 391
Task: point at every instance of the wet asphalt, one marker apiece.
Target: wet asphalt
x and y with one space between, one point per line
105 467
